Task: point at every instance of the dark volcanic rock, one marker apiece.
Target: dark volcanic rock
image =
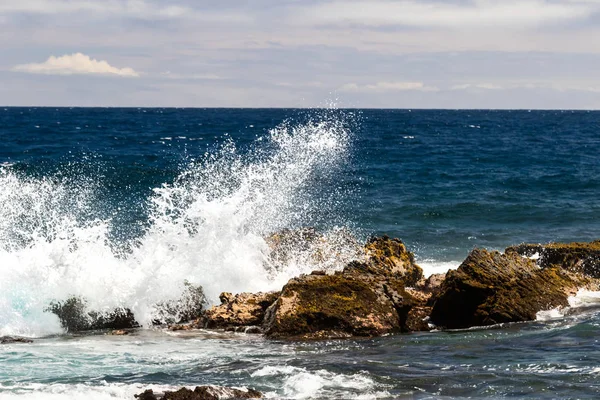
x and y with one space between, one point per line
582 258
365 299
12 339
201 393
490 288
244 309
74 316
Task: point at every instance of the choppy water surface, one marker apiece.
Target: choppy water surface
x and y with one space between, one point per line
122 206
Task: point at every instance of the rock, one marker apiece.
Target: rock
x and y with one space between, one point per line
490 288
74 316
348 303
582 258
368 298
390 257
188 307
118 332
13 339
241 310
201 393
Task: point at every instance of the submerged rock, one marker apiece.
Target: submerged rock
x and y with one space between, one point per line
201 393
490 288
583 258
240 310
14 339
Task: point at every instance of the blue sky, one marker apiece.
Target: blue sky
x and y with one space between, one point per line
267 53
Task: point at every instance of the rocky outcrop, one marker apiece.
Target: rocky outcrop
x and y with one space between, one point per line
240 310
490 288
201 393
365 299
583 258
74 316
14 339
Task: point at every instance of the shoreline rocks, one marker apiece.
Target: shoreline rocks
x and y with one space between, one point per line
201 393
14 339
382 291
490 288
365 299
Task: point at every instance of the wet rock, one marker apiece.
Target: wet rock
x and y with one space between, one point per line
368 298
351 302
490 288
201 393
188 307
14 339
74 316
581 258
240 310
118 332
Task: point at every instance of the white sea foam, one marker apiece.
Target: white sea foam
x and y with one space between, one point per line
206 227
298 383
431 267
582 300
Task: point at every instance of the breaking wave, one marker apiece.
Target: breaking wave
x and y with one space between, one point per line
207 227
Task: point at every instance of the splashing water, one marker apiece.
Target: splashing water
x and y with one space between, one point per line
208 227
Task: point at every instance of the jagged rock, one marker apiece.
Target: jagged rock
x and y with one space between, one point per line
354 302
13 339
390 257
367 298
490 288
201 393
74 316
241 310
582 258
188 307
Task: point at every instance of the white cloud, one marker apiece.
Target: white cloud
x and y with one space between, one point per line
75 64
479 13
387 87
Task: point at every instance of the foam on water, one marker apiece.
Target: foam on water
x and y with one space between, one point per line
584 299
298 383
207 227
431 267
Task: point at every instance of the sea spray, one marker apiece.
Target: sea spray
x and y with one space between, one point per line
206 228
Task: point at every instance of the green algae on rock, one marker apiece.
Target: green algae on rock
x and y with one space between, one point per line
365 299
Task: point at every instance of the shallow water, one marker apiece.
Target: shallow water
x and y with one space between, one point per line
543 360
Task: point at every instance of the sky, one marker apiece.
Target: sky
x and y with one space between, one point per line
516 54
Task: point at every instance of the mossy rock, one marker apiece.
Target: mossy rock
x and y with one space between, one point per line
583 258
390 257
490 288
341 303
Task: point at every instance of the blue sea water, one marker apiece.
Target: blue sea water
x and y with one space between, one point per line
120 206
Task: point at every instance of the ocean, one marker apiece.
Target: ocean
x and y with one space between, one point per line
121 206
